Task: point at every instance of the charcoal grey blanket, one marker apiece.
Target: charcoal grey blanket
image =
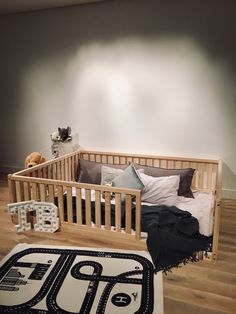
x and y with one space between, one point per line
173 234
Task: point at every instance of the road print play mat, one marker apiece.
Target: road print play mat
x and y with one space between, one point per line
59 279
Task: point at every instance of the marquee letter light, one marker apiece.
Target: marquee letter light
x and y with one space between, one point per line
21 208
46 217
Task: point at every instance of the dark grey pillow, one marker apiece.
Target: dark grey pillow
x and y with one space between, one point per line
90 171
186 176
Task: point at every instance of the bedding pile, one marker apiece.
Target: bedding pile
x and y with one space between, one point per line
173 234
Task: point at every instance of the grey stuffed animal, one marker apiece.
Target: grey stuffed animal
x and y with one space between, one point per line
64 134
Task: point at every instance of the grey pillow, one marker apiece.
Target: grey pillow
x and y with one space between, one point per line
129 178
90 171
108 174
186 176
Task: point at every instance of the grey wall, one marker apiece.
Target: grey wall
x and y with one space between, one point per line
143 76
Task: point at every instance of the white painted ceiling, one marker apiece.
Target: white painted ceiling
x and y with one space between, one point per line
16 6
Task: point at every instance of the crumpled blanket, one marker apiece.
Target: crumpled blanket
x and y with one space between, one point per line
173 234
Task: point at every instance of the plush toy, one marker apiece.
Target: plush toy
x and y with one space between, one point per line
64 134
55 136
34 159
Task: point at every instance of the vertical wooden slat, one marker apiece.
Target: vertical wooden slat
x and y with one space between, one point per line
118 212
138 217
107 210
170 164
215 243
98 209
69 204
49 171
86 156
129 160
40 173
66 170
26 189
178 164
62 170
92 157
116 160
42 192
194 166
55 171
128 202
51 193
12 189
88 207
123 161
150 162
143 162
45 172
58 171
73 168
98 158
163 163
18 192
34 192
156 163
219 179
69 169
34 174
78 207
104 159
186 164
76 167
60 203
201 176
209 176
111 160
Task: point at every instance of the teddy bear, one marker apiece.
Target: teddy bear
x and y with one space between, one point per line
34 159
55 136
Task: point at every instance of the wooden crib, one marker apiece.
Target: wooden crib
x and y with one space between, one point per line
53 178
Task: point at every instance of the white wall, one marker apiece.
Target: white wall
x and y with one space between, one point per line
137 76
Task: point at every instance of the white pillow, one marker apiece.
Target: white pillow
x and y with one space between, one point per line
160 190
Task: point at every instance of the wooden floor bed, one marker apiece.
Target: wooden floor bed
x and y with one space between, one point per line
53 178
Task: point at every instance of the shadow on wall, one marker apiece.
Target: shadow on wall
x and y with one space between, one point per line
229 179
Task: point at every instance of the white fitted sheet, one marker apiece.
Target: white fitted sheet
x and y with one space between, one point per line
201 207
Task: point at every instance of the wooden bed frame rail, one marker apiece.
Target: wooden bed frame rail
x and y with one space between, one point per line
53 178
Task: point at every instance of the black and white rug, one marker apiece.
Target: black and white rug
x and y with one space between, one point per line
49 279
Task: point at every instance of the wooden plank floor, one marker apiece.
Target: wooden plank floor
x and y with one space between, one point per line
199 288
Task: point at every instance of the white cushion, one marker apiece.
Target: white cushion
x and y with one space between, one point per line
160 190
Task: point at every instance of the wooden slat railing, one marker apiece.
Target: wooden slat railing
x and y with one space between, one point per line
41 189
58 176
